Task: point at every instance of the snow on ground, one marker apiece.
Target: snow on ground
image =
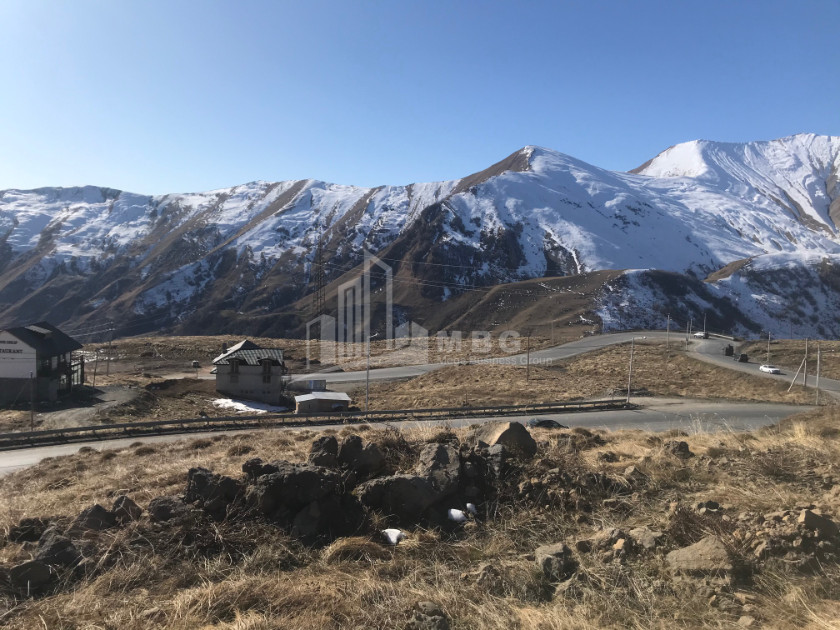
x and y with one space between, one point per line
246 406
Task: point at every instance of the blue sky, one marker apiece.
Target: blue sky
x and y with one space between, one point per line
176 96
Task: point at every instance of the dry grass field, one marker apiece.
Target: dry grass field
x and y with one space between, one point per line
142 360
788 354
249 575
598 374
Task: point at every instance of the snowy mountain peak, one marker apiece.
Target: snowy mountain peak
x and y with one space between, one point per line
704 158
89 252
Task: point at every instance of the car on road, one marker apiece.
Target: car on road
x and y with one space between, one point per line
770 369
701 335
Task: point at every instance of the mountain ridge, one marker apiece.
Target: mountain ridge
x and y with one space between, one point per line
87 254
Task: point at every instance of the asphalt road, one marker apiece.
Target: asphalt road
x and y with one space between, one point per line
548 355
711 351
657 414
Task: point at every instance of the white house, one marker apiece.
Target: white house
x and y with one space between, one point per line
37 363
250 372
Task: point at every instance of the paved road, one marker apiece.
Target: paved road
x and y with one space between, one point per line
548 355
658 414
711 351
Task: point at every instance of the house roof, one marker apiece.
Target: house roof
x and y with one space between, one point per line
46 339
340 396
249 353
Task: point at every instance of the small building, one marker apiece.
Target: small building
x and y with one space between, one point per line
322 402
37 363
250 372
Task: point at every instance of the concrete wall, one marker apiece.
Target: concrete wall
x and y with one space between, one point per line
248 384
17 359
320 406
16 390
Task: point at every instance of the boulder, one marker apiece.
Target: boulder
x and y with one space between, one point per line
329 518
324 452
404 496
365 459
556 561
292 487
28 530
166 508
634 476
645 538
125 510
822 524
94 518
708 556
255 467
678 449
512 435
31 575
428 616
56 549
441 465
212 492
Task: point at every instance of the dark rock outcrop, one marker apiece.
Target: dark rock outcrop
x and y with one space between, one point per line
291 487
166 508
94 518
28 530
404 496
55 549
556 561
126 510
324 452
364 459
31 575
212 492
441 465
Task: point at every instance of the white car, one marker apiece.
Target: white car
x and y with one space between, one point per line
701 335
770 369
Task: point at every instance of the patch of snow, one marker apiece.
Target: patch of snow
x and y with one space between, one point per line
247 406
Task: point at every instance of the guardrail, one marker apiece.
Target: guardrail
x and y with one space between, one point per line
48 437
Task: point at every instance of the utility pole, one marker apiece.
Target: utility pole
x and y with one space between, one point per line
768 347
367 374
31 401
704 324
668 335
528 359
630 371
318 297
805 373
687 333
818 373
110 338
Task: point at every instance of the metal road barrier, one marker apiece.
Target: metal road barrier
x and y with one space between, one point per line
11 441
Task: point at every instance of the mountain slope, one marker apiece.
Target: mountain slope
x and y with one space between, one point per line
223 260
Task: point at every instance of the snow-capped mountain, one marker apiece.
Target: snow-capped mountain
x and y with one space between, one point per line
206 261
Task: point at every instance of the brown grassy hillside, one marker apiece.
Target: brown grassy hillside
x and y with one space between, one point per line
247 574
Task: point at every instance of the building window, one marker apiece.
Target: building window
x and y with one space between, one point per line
266 371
